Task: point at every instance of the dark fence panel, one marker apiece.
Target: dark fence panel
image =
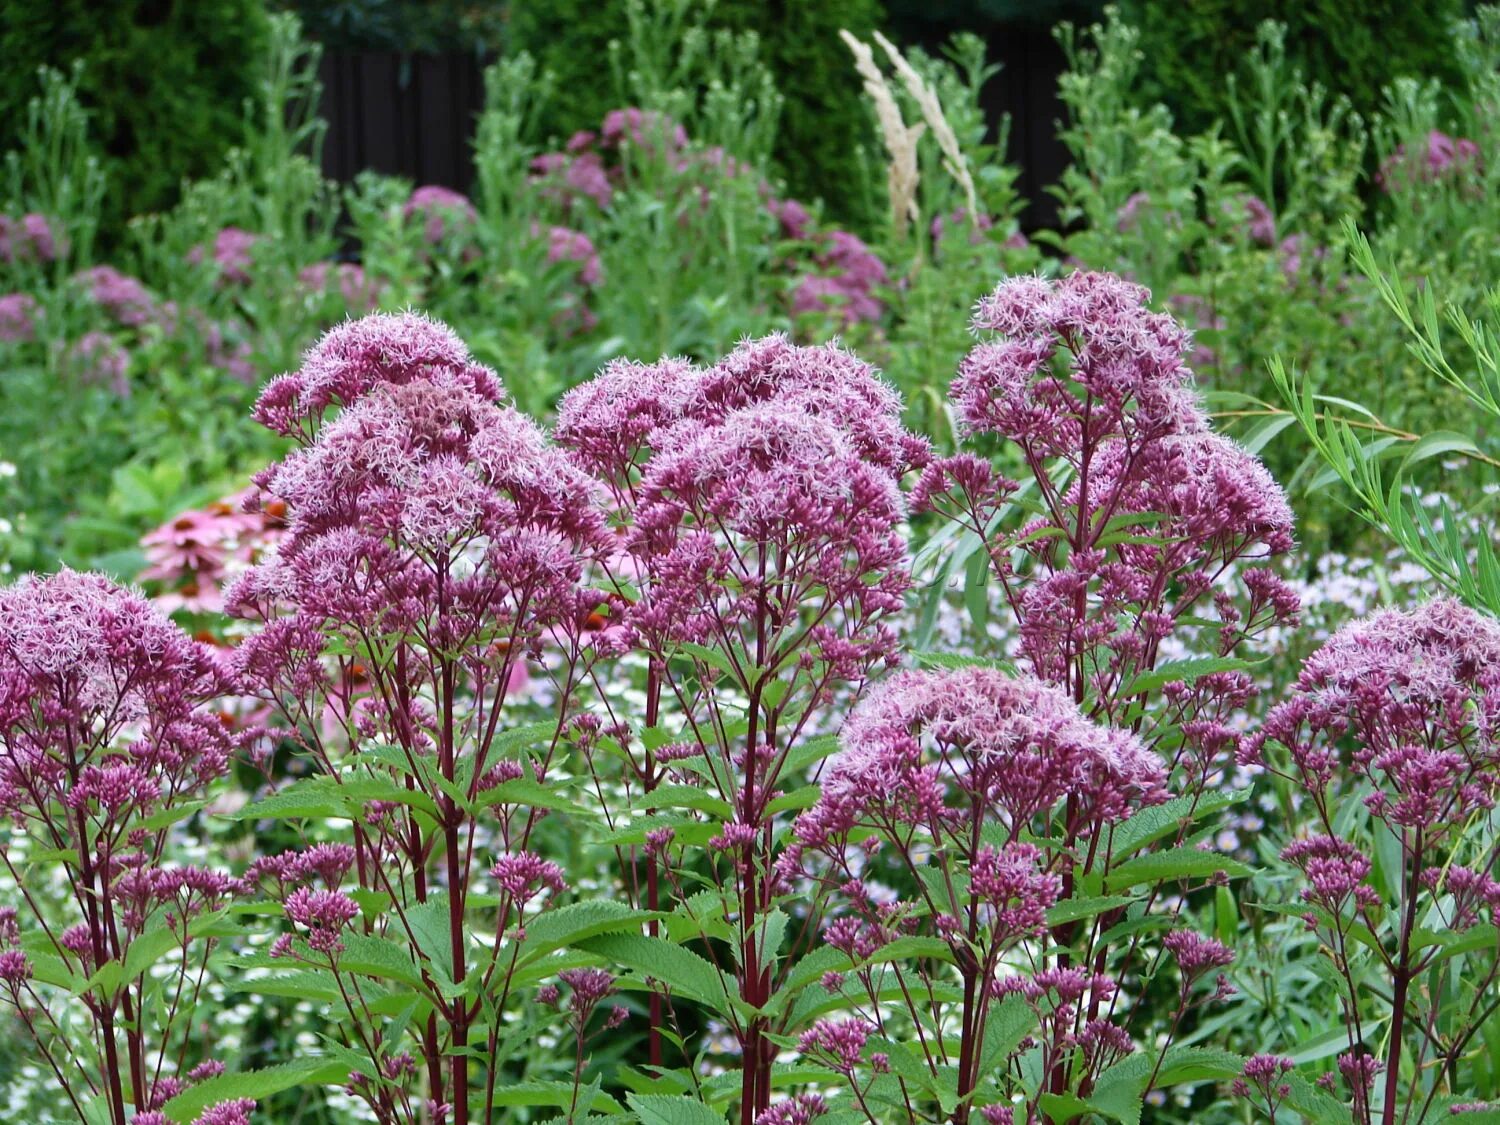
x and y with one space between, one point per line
1026 88
401 114
413 115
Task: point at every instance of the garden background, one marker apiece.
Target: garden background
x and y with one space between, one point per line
197 193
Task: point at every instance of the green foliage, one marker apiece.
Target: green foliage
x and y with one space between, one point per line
1354 50
163 81
824 121
917 16
1378 465
401 25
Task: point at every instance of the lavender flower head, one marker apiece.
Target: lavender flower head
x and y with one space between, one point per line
30 238
359 355
423 505
358 292
231 255
775 445
1127 361
442 212
87 664
615 420
97 359
1141 504
122 297
1420 692
18 312
1440 158
928 742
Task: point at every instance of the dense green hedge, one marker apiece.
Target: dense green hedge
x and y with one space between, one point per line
1352 48
824 114
164 81
401 25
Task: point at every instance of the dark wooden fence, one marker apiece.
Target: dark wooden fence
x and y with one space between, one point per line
413 115
401 114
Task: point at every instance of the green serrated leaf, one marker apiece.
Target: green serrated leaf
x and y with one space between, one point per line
680 969
1179 863
255 1084
665 1109
565 925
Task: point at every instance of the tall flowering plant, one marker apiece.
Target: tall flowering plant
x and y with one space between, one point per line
1389 739
106 744
999 837
758 570
431 563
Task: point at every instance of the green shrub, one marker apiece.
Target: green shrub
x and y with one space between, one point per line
164 82
400 25
823 120
1351 49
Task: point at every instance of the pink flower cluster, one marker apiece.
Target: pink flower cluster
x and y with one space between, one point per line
18 313
231 255
434 543
930 751
773 470
1144 511
1398 712
101 357
447 216
1440 159
83 665
31 238
443 212
105 733
357 292
96 358
1420 693
1009 783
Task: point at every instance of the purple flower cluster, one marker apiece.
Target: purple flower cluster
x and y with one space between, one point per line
1440 159
845 280
134 314
760 562
96 358
104 733
357 292
121 297
775 470
1010 785
231 255
1398 712
936 751
1419 692
1144 511
442 212
18 314
434 544
31 238
1264 1079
